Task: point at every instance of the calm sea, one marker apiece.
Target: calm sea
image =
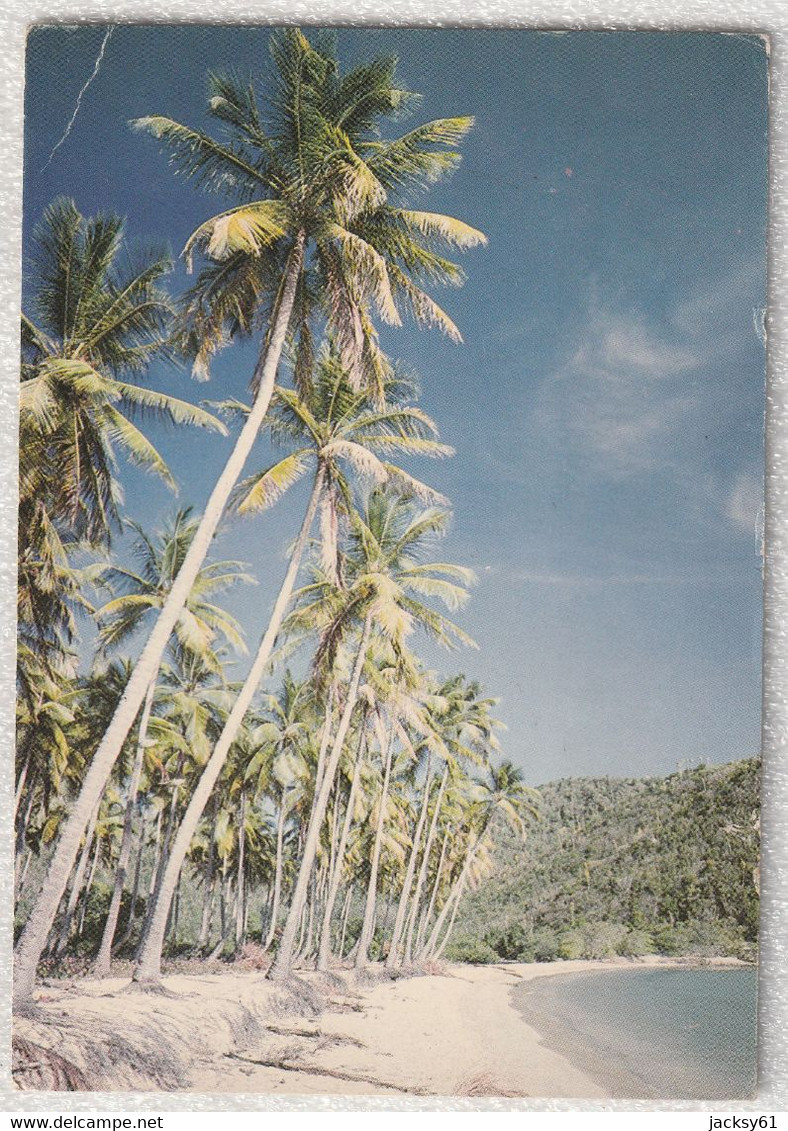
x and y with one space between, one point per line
670 1034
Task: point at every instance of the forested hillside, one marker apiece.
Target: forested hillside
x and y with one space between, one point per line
624 866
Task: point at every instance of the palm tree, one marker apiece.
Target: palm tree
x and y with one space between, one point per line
397 681
501 793
466 727
319 189
277 766
335 877
336 426
384 585
94 324
141 592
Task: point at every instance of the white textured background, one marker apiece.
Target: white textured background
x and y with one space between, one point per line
769 17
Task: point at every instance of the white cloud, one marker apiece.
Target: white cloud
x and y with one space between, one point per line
744 504
622 395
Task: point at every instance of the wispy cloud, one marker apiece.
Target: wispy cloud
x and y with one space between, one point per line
650 394
622 394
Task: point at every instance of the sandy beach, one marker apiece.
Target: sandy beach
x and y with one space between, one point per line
452 1033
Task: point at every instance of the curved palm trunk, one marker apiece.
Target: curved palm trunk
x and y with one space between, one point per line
458 896
450 928
20 785
33 938
149 965
324 952
368 926
102 964
422 876
284 959
399 921
432 941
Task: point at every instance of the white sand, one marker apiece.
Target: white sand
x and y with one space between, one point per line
455 1033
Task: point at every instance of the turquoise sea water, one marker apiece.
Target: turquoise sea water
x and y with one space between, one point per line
659 1033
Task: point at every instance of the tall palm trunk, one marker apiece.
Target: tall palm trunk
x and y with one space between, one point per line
149 966
20 785
324 952
432 950
240 917
102 963
422 876
207 913
157 828
421 947
89 886
135 889
345 918
368 925
76 886
20 883
280 834
399 921
163 853
21 837
325 739
284 958
209 884
33 938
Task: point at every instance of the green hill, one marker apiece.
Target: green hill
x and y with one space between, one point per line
620 866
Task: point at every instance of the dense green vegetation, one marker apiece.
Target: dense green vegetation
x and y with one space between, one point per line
631 867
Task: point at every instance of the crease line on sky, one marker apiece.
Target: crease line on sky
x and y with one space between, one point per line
80 96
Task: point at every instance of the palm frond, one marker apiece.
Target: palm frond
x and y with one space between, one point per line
215 167
248 228
259 492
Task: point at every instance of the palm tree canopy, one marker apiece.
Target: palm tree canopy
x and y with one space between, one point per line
385 579
142 591
96 325
317 163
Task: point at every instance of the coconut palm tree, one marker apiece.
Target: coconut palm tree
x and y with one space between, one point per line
336 426
200 626
466 728
278 765
321 188
500 794
93 328
384 585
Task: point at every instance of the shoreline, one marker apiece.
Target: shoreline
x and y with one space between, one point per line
454 1033
640 1039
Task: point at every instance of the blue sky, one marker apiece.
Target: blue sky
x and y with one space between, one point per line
607 402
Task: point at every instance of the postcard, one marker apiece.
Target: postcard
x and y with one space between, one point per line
390 562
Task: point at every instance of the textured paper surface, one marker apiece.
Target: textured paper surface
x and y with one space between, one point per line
768 19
